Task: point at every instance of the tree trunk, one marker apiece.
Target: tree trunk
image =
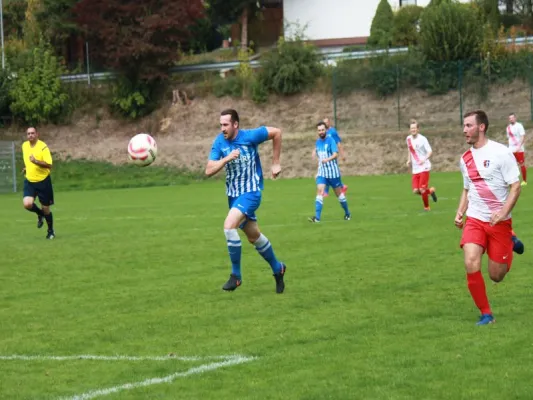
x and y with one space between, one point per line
244 28
509 6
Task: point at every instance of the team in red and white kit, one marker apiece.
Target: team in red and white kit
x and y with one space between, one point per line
517 136
490 191
418 153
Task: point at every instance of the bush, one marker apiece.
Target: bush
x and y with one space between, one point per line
135 99
450 32
291 67
37 94
230 86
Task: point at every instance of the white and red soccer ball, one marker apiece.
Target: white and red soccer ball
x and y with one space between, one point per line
142 149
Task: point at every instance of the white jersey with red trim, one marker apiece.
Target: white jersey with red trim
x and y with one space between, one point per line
419 149
515 133
487 174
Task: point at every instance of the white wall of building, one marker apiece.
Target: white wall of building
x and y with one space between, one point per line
335 19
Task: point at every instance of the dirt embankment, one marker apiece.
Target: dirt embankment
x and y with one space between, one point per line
367 125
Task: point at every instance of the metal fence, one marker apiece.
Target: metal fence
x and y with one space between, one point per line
390 92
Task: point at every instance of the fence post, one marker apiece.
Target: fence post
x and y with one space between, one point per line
14 164
460 88
530 88
334 84
398 95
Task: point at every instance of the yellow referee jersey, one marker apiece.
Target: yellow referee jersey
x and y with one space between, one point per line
41 152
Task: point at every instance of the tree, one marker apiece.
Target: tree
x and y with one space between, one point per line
14 18
406 22
382 25
451 32
139 39
490 13
57 20
229 11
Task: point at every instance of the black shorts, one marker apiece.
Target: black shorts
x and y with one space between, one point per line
42 189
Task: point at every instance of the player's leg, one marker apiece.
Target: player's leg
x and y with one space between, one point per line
28 201
326 191
265 249
424 190
500 250
45 192
321 183
338 187
233 241
521 160
474 242
518 246
415 184
432 191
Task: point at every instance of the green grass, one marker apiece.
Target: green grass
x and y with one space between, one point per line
90 175
375 308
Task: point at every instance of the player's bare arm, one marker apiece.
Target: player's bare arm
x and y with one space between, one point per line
463 205
213 167
274 134
313 154
408 158
331 158
41 164
514 193
341 151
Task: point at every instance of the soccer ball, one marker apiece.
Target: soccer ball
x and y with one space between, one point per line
142 149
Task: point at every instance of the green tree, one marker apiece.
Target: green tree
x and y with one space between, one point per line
230 11
382 26
57 22
37 93
406 24
451 31
490 13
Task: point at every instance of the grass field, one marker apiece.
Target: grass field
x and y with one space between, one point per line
374 308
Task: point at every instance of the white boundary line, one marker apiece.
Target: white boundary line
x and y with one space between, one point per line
224 361
171 357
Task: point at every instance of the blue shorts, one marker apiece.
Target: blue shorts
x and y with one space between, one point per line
333 182
247 203
43 190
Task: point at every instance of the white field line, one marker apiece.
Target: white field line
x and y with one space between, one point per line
225 361
156 381
15 357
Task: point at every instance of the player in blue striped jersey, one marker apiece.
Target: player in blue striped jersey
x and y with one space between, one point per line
332 131
328 172
236 150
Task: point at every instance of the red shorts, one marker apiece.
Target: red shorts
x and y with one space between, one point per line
520 157
495 240
420 180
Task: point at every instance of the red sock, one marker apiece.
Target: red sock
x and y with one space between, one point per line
476 285
425 198
524 173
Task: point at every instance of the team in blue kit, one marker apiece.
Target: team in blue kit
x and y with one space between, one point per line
236 150
328 172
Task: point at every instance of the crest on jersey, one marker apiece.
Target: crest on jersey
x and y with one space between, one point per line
486 163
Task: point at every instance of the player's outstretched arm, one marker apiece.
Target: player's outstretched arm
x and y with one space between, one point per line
213 166
274 134
463 205
342 154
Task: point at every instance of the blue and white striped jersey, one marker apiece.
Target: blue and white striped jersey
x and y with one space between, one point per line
243 174
325 149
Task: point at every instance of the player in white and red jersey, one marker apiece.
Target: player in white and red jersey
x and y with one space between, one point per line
517 136
418 153
490 191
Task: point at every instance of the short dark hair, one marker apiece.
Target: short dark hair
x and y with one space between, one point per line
232 113
512 114
321 123
414 121
481 118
